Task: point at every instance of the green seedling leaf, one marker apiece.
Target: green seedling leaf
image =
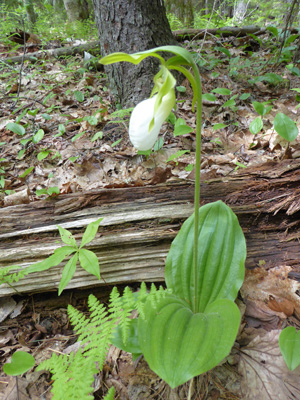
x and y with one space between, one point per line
244 96
98 135
40 192
171 118
43 154
68 273
27 172
271 78
157 146
273 30
181 128
219 126
16 128
222 91
79 96
91 120
256 125
291 39
53 190
221 258
90 232
285 127
33 112
47 117
179 153
258 107
38 136
289 344
179 344
89 261
181 89
224 50
209 97
229 103
67 237
77 137
114 144
189 167
20 363
61 130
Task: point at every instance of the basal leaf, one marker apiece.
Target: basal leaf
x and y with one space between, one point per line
221 257
178 344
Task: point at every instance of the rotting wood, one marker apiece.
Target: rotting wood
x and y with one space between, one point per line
225 31
139 224
60 52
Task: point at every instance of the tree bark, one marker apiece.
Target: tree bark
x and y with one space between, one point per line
139 224
130 26
77 10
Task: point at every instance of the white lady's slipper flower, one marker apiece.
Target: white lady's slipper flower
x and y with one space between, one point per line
141 137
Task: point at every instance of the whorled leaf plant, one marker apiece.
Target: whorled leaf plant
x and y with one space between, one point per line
192 329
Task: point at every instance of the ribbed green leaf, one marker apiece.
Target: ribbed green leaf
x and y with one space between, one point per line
178 344
221 257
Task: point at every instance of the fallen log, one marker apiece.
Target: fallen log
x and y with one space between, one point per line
139 224
225 31
60 52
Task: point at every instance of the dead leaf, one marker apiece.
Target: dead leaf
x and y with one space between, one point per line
265 375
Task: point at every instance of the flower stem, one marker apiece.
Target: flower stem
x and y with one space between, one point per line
197 173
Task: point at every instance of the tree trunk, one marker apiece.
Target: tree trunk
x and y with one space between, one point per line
77 10
31 15
130 26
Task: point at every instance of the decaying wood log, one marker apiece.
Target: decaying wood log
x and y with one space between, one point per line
45 54
139 224
225 31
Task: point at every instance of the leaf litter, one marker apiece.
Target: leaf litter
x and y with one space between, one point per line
87 150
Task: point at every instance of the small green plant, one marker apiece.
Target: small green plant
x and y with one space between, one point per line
289 344
20 363
87 259
283 125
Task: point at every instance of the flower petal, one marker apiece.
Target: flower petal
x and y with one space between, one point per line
141 117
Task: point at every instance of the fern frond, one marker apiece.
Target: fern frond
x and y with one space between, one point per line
141 298
79 321
110 394
129 304
73 376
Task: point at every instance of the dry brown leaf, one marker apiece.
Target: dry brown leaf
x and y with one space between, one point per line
265 375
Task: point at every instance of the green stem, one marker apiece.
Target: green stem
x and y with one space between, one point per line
197 172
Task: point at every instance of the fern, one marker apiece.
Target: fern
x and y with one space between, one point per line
110 394
73 374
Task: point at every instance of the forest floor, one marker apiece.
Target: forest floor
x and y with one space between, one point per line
75 140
